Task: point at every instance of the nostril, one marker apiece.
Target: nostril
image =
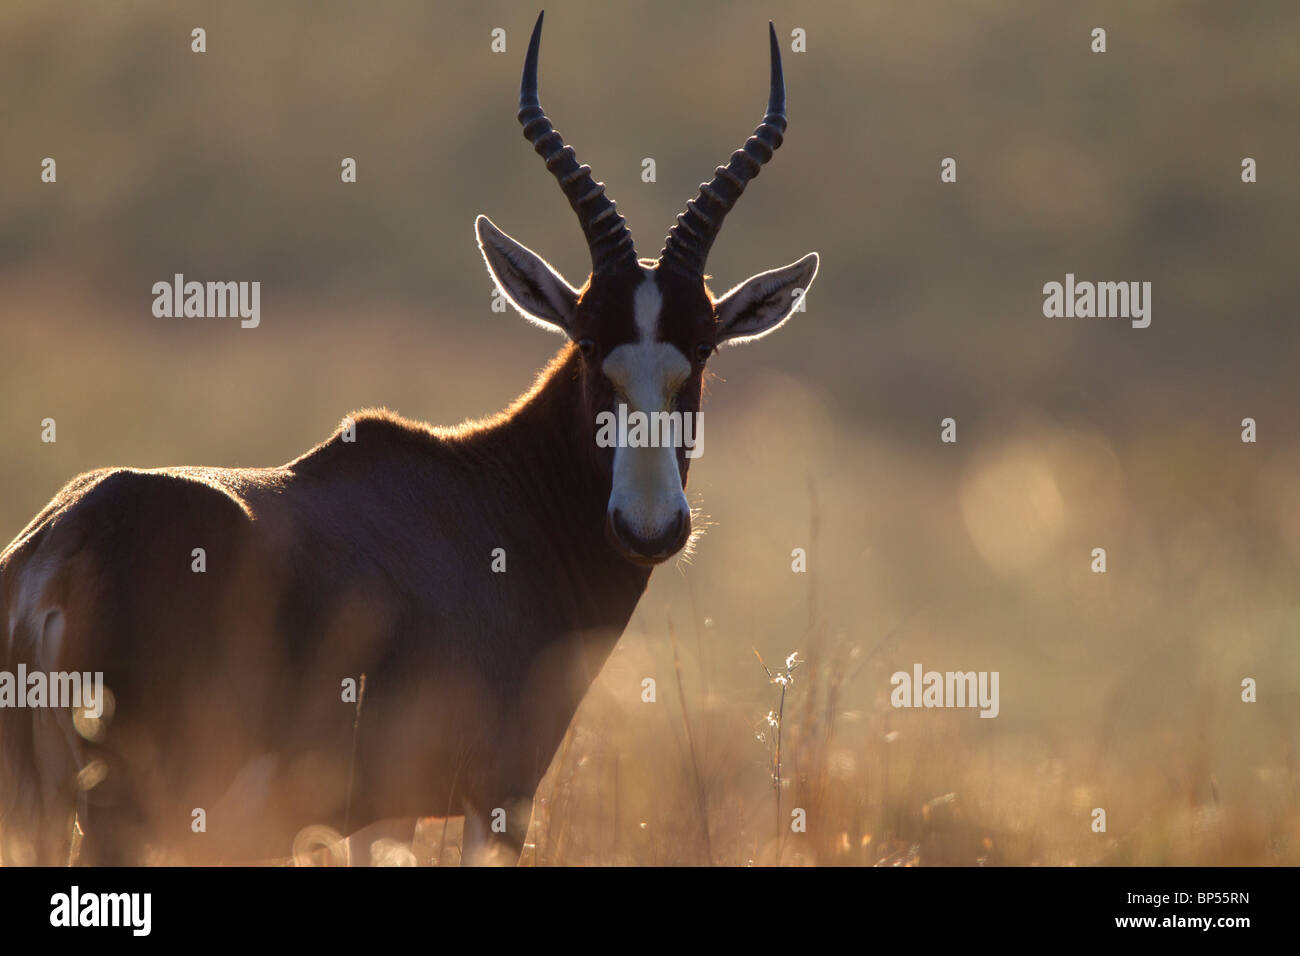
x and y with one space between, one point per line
670 539
624 532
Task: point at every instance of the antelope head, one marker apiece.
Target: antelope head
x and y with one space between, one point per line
644 329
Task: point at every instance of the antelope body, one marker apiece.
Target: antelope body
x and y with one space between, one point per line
374 554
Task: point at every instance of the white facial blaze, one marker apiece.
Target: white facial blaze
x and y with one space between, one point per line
646 374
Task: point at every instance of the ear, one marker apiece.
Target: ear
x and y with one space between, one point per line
526 279
762 302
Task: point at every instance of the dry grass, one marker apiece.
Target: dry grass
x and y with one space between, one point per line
881 786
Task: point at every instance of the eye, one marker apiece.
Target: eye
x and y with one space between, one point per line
703 351
587 347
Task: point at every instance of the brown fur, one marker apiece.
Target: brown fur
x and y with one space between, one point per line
369 557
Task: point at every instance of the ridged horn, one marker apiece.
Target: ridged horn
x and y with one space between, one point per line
687 247
606 231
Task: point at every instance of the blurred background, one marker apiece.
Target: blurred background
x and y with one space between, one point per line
1118 690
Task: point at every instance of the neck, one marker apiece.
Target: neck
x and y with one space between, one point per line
544 440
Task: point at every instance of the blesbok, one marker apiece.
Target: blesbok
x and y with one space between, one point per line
478 576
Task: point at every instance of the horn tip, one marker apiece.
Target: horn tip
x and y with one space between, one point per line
776 96
528 84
